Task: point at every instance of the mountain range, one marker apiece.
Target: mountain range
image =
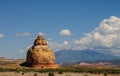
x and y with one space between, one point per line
82 55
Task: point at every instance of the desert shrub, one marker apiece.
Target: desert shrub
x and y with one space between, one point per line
60 72
35 74
105 73
17 70
51 74
85 75
23 73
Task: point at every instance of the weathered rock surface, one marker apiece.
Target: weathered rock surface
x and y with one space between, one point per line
40 55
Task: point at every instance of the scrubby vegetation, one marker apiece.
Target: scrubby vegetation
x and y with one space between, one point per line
51 74
105 71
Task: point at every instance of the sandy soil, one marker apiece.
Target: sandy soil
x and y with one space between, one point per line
56 74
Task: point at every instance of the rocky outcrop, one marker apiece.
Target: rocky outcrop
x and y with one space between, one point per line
40 55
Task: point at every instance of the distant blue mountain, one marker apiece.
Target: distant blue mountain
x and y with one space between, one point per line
83 55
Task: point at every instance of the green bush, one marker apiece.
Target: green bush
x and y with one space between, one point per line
35 74
85 75
105 73
51 74
60 72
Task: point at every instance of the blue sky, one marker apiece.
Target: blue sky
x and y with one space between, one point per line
22 20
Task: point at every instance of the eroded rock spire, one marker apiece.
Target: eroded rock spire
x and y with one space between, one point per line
40 55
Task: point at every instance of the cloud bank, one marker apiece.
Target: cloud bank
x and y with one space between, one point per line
105 37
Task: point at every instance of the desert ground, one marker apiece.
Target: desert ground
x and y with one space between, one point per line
56 74
16 64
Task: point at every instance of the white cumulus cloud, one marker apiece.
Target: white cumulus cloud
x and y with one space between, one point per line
105 37
23 34
65 32
1 35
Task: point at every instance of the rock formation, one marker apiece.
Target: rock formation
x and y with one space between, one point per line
40 55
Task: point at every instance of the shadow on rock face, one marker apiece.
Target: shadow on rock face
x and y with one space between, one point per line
25 64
